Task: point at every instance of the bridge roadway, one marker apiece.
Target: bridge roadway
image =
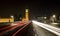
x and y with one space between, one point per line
34 30
29 29
10 29
39 31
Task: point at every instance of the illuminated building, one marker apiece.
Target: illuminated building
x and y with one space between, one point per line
26 16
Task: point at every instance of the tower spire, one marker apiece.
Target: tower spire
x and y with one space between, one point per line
27 14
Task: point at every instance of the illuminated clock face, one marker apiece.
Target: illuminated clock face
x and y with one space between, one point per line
26 10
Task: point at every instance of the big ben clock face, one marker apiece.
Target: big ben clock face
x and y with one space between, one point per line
26 10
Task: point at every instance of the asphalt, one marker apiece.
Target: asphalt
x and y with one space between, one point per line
27 31
10 33
30 30
34 30
42 32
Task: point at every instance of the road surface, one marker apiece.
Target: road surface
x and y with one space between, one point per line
35 30
32 30
41 32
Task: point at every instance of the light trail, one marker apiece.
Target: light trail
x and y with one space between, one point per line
48 27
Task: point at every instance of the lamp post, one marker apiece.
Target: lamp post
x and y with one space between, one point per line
45 19
54 18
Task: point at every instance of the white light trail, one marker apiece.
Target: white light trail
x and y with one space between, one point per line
48 27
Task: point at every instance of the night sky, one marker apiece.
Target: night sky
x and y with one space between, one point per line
36 7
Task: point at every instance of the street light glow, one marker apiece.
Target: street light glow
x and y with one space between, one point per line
45 17
12 16
54 16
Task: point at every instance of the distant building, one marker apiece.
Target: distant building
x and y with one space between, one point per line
2 20
26 16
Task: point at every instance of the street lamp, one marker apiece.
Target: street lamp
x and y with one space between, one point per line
54 16
45 17
12 16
